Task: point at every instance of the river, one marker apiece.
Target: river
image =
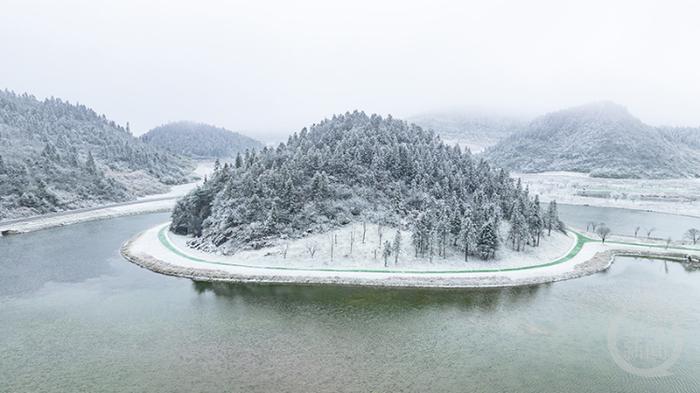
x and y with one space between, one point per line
74 316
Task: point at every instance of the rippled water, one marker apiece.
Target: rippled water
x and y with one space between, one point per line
79 318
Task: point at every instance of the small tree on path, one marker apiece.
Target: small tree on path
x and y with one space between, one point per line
603 231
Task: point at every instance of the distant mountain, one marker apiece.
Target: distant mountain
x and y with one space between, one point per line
200 141
472 129
602 139
59 156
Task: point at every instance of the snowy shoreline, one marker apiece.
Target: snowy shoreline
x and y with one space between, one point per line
150 250
102 213
155 203
668 196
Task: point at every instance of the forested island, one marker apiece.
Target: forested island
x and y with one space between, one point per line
360 170
199 140
57 156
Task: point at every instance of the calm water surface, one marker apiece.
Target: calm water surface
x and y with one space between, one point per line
625 221
75 317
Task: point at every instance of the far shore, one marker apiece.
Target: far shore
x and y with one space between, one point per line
155 203
666 196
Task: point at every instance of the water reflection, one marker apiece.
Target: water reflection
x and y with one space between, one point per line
70 254
488 299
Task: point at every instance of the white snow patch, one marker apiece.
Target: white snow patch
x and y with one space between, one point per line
674 196
368 254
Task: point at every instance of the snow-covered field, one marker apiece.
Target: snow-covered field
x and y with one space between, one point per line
149 204
675 196
332 250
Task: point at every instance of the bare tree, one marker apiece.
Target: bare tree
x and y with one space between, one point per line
364 231
591 226
668 242
331 248
311 248
352 239
284 251
603 231
649 231
693 235
636 231
380 231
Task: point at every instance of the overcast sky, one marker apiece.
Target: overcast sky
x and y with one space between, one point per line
269 68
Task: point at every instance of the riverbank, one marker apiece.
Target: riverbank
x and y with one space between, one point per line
156 251
670 196
155 203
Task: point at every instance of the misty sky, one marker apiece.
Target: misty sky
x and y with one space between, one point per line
269 68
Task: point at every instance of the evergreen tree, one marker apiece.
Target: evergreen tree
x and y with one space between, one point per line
535 221
90 164
467 236
518 227
397 246
487 242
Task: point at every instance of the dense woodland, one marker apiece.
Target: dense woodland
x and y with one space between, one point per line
359 168
58 156
602 139
200 141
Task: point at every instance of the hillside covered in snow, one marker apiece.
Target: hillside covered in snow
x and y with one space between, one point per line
200 141
58 156
355 169
602 139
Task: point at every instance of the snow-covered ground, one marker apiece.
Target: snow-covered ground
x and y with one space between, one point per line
204 168
332 250
149 204
675 196
170 256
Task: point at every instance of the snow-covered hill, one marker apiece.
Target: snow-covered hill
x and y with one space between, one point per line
361 169
57 156
200 141
602 139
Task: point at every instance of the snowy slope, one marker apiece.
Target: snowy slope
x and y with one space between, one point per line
602 139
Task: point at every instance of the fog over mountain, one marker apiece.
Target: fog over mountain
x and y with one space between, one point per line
198 140
473 129
274 66
602 139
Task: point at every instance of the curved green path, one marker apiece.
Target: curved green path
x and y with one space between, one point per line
581 240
